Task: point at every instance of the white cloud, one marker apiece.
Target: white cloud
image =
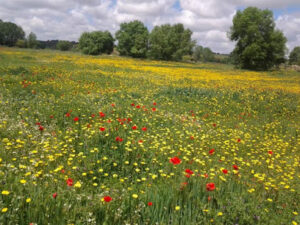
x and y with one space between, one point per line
210 20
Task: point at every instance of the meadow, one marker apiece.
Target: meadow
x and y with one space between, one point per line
111 140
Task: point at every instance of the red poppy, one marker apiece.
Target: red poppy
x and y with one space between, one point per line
235 167
150 203
214 125
138 107
188 171
210 187
153 109
113 105
76 119
70 182
107 198
192 138
62 171
238 140
208 198
140 141
102 128
68 114
38 123
270 152
225 171
119 139
51 116
206 175
93 115
211 151
41 128
134 127
132 104
144 128
101 114
154 103
54 195
175 160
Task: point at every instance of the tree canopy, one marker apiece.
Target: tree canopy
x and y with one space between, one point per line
133 39
259 46
32 41
97 42
168 42
10 33
294 57
201 53
64 45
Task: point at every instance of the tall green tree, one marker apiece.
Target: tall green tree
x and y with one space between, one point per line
203 54
97 42
32 40
294 57
133 39
10 33
168 42
259 46
64 45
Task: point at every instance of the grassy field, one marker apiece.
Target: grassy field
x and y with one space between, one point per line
110 140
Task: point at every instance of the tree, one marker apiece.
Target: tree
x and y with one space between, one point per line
31 40
97 42
259 46
133 39
203 54
21 43
170 42
10 33
294 57
64 45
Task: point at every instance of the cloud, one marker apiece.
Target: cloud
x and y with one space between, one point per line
209 20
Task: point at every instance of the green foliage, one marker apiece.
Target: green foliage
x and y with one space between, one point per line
203 54
259 46
97 42
21 43
133 39
295 56
32 40
10 33
64 45
170 42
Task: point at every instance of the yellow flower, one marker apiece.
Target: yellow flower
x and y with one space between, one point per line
23 181
220 214
177 208
294 223
77 185
28 200
295 213
270 200
4 210
135 196
5 192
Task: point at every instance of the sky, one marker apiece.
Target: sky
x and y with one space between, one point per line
210 20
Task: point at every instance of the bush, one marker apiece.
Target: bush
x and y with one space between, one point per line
21 43
64 45
97 42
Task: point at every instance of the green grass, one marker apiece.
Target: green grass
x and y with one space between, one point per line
191 117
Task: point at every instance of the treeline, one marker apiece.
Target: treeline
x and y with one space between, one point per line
259 45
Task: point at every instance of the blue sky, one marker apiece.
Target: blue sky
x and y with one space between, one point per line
210 20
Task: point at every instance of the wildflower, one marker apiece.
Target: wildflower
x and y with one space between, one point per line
210 187
175 160
270 152
188 171
54 195
177 208
4 210
135 196
107 198
101 114
153 109
76 119
28 200
102 129
225 171
77 185
144 129
5 192
41 128
235 167
68 114
134 127
23 181
211 151
220 214
69 182
150 203
238 140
